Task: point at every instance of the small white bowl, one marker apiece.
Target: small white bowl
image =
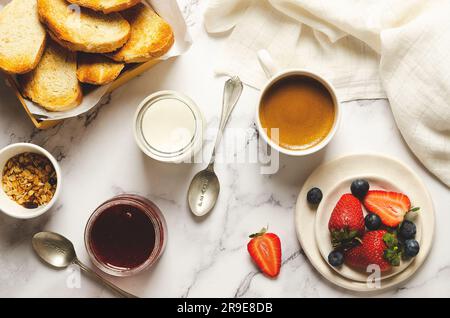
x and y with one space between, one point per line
10 207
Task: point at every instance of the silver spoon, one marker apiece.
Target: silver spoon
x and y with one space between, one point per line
59 252
205 187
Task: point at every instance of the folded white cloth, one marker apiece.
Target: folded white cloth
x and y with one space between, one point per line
367 48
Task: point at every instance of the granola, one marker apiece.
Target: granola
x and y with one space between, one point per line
29 179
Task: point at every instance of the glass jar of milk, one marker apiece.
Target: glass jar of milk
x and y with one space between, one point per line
168 127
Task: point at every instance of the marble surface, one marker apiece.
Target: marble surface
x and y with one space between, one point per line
204 257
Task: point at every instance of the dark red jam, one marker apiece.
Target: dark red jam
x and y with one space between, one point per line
122 236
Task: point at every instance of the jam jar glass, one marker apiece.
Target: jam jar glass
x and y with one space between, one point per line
143 205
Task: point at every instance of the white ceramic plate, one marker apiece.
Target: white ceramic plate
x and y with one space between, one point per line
334 179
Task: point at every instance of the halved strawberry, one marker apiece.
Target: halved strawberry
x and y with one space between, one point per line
377 248
347 220
265 250
391 207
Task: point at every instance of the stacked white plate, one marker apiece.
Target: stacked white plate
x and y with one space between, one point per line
334 179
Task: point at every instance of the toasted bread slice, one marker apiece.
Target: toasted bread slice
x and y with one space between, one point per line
97 69
81 29
53 83
106 6
22 37
151 36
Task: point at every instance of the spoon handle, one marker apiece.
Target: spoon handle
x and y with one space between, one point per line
231 94
104 281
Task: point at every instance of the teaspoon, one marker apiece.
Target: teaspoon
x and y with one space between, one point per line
59 252
205 187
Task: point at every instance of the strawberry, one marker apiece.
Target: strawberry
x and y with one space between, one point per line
377 248
265 250
391 207
347 220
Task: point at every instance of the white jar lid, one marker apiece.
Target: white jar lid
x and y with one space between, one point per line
168 127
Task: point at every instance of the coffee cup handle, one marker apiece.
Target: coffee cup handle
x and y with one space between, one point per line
267 63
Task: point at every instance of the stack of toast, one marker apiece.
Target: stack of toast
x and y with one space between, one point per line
54 45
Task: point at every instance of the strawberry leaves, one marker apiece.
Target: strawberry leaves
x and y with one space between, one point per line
342 236
393 252
260 233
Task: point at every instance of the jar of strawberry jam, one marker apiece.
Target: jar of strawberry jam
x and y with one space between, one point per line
125 235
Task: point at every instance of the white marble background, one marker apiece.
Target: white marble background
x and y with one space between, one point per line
204 258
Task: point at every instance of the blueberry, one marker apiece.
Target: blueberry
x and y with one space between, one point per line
314 196
52 181
30 205
372 221
407 230
359 188
412 248
336 258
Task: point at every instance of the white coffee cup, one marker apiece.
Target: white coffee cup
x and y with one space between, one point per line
275 75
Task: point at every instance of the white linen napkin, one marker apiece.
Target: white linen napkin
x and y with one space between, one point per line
367 48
